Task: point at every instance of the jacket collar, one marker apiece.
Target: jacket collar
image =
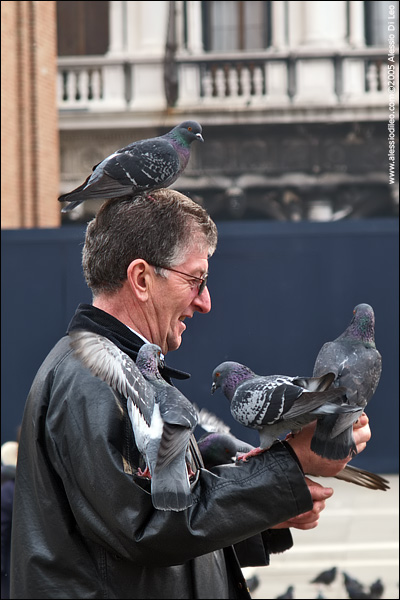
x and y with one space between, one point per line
94 319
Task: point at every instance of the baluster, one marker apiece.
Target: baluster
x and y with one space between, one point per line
246 82
258 81
382 76
233 81
70 86
207 84
61 91
84 85
220 82
96 85
372 78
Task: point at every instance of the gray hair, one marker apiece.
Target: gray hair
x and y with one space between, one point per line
161 228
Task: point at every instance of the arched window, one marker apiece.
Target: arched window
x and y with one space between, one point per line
377 21
82 28
231 26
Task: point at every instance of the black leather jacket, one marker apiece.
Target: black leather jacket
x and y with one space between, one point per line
84 525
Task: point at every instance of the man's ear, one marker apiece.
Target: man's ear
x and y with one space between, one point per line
138 276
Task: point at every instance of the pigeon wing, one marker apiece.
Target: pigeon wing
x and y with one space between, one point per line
106 361
180 418
145 165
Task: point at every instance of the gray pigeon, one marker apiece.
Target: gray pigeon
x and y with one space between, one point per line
219 447
376 589
162 418
326 577
143 166
275 404
357 366
289 594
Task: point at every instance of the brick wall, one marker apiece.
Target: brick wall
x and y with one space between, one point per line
29 133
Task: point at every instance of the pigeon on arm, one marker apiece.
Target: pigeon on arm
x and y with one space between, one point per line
357 366
143 166
162 418
218 446
276 404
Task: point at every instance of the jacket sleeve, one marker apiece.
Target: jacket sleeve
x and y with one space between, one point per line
86 428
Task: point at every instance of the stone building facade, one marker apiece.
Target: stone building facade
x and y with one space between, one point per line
29 115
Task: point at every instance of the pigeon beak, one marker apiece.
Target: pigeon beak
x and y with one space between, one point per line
199 137
213 388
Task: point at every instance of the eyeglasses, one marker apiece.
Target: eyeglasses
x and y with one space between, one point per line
202 280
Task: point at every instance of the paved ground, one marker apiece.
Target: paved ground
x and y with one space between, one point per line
358 533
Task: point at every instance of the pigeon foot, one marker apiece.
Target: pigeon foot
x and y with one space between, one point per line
145 473
247 455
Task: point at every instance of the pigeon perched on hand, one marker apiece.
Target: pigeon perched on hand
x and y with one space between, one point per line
275 404
219 446
357 366
143 166
162 418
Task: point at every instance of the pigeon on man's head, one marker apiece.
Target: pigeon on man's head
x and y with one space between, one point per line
275 404
143 166
357 366
162 418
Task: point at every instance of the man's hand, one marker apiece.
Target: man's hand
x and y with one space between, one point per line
315 465
309 520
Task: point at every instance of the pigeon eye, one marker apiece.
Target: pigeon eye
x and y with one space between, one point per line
189 129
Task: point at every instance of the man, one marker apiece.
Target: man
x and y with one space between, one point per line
84 525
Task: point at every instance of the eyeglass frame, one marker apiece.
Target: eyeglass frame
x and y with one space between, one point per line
203 280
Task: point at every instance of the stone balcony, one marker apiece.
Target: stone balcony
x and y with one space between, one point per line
266 86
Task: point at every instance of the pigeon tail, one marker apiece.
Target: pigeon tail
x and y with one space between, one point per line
169 490
71 206
363 478
337 448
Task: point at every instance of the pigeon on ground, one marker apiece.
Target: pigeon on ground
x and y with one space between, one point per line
143 166
275 404
326 577
162 418
288 594
354 588
376 589
357 366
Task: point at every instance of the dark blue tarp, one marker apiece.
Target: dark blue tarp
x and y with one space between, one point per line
279 291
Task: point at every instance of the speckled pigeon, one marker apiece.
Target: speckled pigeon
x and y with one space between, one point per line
162 418
143 166
357 366
218 446
275 404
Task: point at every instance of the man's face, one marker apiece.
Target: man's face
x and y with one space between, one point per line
175 299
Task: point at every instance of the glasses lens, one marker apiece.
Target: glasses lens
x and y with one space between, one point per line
203 284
